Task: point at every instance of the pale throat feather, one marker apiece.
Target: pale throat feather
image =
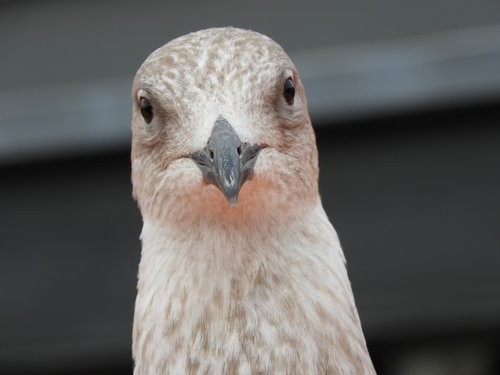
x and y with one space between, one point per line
226 294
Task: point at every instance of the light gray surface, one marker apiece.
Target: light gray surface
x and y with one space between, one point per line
63 41
66 66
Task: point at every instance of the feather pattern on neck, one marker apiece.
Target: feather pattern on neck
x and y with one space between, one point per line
226 302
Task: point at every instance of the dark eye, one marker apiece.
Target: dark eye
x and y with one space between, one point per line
146 110
289 91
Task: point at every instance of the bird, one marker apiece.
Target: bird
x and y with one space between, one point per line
241 271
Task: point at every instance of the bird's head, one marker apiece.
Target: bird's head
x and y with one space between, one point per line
221 131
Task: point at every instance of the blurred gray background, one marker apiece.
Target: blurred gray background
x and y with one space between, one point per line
405 98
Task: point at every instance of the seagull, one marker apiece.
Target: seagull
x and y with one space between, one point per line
241 271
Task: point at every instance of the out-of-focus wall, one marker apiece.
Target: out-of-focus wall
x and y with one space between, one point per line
66 66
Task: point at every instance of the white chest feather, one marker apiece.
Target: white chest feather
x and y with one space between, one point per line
219 302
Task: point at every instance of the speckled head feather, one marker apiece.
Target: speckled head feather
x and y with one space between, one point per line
259 287
190 82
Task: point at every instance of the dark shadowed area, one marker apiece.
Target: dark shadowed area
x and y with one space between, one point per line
406 105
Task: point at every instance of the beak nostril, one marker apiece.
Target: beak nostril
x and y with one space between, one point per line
239 150
211 153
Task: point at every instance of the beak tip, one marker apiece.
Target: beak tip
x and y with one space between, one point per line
232 201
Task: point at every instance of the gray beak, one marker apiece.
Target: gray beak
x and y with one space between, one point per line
226 162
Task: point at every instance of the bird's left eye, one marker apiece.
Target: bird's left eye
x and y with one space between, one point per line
146 109
289 91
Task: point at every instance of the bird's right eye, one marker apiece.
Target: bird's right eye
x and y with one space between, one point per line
146 109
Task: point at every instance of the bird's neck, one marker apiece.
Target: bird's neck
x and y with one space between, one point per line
207 256
217 282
